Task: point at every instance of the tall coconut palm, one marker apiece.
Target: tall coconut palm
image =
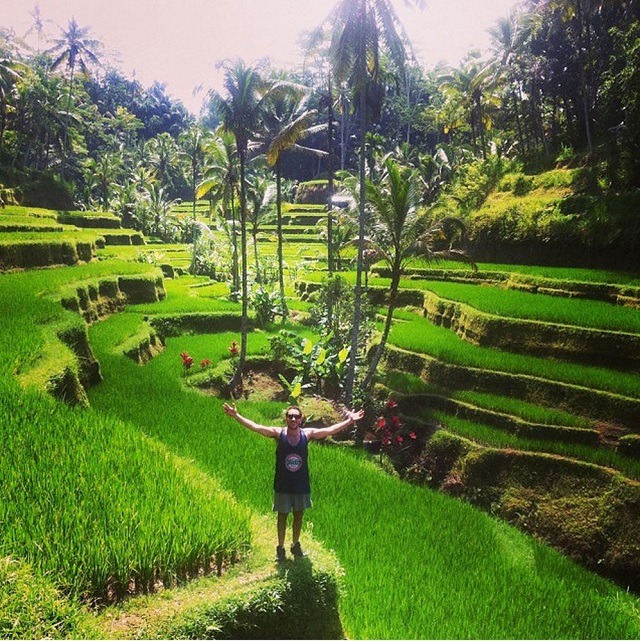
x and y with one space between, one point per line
286 121
471 85
77 50
361 29
221 180
398 230
10 76
240 111
260 194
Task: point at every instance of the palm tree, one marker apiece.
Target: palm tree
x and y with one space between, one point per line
505 38
159 207
399 231
260 199
286 121
220 181
361 29
470 85
76 49
10 76
164 157
240 113
191 149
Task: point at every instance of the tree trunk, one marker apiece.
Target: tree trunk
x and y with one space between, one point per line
244 320
393 296
66 125
357 307
234 243
283 302
330 172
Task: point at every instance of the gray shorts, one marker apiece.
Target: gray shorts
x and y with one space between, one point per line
291 502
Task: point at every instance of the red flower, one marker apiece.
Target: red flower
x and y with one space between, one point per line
395 422
234 348
187 361
381 423
391 404
205 362
413 435
399 439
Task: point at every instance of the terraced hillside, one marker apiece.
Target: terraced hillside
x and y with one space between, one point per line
531 402
107 334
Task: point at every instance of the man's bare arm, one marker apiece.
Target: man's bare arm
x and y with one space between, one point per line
271 432
323 432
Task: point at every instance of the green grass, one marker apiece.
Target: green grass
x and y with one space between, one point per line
69 235
413 558
85 498
539 307
577 274
31 607
18 223
527 411
407 383
95 504
493 437
418 564
421 336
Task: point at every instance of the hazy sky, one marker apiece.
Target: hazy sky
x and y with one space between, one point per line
178 42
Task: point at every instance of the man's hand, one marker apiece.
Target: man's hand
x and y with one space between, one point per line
230 410
355 416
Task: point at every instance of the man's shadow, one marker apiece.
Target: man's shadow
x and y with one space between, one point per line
313 596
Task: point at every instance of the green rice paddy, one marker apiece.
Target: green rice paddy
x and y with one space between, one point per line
418 564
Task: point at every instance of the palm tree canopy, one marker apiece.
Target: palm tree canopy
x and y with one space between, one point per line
75 48
364 27
240 111
290 133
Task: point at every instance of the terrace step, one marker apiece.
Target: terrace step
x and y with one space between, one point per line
594 404
608 348
610 293
415 403
254 597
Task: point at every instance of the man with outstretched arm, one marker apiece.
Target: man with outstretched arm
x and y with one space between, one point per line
292 489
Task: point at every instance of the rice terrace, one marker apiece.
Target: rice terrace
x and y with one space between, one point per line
456 252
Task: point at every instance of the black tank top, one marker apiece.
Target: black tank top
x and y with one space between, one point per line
292 469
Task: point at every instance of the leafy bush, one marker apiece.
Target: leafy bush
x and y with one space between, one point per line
317 366
266 305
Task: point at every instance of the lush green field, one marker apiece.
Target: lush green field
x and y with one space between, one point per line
85 498
416 334
418 564
97 505
525 305
550 309
577 274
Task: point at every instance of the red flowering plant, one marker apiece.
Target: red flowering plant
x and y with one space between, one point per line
234 354
187 362
395 437
205 363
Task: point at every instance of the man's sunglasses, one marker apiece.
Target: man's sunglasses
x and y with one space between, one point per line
294 416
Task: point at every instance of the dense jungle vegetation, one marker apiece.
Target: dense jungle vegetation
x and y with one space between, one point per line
560 85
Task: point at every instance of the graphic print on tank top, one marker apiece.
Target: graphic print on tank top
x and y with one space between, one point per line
293 462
